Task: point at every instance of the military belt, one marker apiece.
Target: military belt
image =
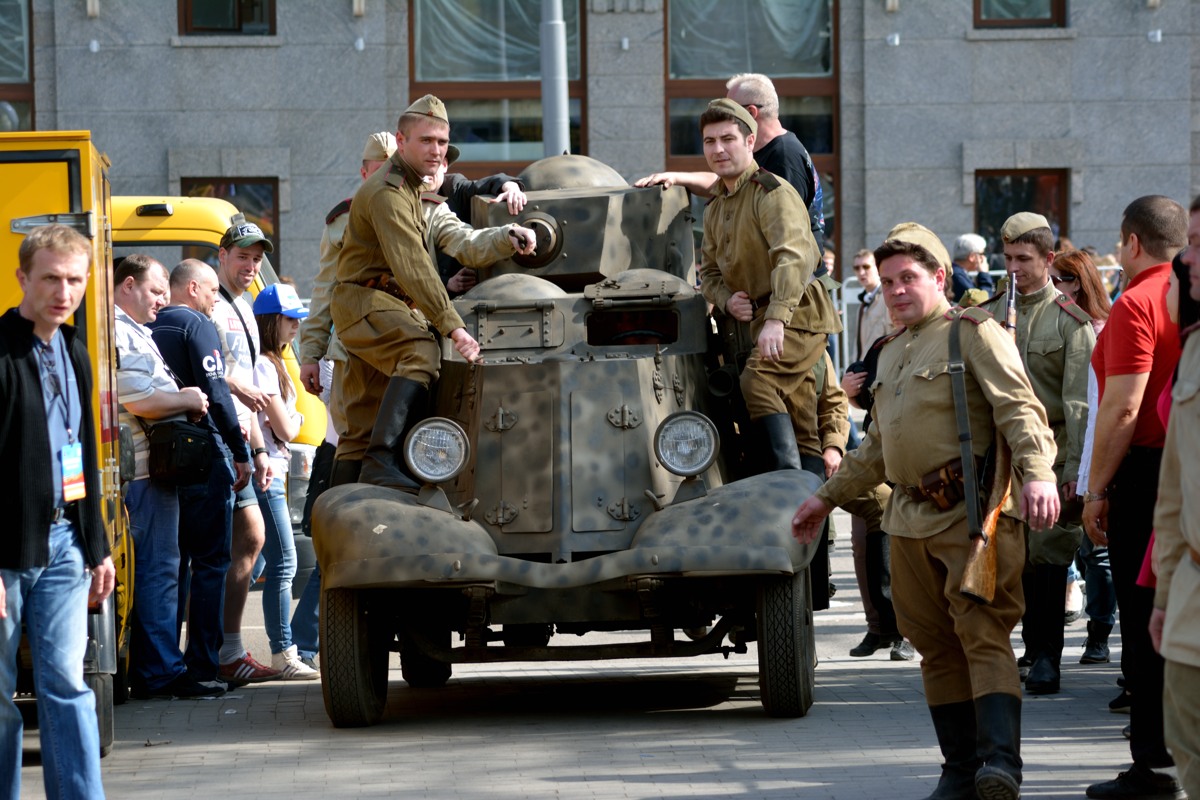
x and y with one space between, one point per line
760 303
387 285
943 486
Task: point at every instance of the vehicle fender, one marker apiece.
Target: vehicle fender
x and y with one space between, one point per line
749 522
360 532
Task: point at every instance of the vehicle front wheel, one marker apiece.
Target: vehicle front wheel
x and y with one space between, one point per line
786 645
356 637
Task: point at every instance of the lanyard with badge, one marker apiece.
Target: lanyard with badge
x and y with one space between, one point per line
71 455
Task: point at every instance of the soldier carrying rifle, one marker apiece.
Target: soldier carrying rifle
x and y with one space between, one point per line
969 670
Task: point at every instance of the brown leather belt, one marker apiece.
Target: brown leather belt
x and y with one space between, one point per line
388 285
943 486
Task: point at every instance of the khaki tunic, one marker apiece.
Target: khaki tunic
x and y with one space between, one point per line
1177 515
757 240
1055 342
1176 532
914 430
443 232
824 422
317 339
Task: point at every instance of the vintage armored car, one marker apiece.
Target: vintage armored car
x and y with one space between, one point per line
573 479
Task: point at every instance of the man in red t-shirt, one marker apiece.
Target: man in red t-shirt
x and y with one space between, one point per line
1134 358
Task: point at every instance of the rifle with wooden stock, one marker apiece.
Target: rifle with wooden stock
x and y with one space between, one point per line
979 577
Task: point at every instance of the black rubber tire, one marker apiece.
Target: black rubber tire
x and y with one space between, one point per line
419 670
101 684
786 645
355 645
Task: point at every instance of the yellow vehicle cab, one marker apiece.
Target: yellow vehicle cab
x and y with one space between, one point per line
173 228
60 177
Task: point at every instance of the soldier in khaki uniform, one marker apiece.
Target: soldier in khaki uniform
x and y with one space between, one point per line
970 674
317 339
389 304
757 266
1055 339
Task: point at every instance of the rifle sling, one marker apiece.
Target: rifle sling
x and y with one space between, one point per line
958 383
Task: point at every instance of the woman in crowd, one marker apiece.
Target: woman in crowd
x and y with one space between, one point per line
278 311
1076 276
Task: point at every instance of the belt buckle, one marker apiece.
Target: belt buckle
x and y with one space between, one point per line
60 513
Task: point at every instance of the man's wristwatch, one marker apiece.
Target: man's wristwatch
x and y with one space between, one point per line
1091 497
258 451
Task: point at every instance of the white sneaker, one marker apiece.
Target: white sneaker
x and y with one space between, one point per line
310 662
291 668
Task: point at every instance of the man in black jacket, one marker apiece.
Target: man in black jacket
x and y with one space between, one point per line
188 341
55 557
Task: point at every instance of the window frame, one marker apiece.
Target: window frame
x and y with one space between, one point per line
499 90
1058 18
1064 200
187 183
826 164
186 28
23 92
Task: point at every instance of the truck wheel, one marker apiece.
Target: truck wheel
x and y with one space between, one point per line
101 684
354 658
419 670
786 645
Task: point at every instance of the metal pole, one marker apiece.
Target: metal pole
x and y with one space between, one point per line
556 134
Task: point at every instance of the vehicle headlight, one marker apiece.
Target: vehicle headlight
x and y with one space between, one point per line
437 449
686 443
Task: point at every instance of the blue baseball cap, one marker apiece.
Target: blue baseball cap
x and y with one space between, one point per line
280 298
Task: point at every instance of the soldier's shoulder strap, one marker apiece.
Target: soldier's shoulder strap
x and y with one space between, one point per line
768 181
1073 309
395 175
432 197
337 211
974 314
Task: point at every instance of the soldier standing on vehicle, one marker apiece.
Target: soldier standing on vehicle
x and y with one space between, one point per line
54 559
757 266
1055 339
389 304
317 337
969 672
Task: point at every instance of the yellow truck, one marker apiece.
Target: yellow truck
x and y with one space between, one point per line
60 176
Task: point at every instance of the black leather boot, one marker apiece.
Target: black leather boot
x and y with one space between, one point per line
404 404
780 442
1095 650
344 471
998 742
954 724
1045 673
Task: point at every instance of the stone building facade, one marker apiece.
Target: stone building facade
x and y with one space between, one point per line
922 105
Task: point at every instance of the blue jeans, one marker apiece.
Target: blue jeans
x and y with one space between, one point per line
305 620
1098 583
279 552
205 536
155 659
52 602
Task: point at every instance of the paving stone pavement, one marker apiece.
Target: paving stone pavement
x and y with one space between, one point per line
597 730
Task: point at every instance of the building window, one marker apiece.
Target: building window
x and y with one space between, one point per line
256 198
16 67
226 17
790 41
1020 13
483 59
1001 193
